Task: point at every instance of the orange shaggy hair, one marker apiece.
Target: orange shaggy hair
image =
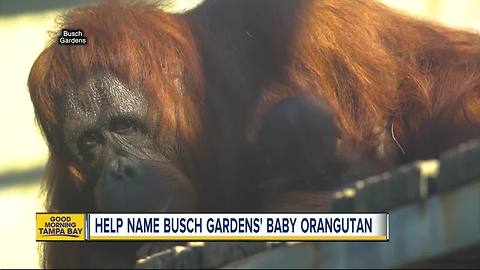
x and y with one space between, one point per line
123 40
383 73
394 84
155 61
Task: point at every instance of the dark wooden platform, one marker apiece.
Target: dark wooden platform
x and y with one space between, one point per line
434 211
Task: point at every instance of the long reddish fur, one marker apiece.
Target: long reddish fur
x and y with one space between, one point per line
380 71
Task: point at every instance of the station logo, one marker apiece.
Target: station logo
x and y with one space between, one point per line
60 227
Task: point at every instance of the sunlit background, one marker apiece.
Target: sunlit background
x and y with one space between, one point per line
23 34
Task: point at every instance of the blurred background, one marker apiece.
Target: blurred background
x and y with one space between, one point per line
24 27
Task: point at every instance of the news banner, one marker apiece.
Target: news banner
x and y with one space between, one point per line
212 227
